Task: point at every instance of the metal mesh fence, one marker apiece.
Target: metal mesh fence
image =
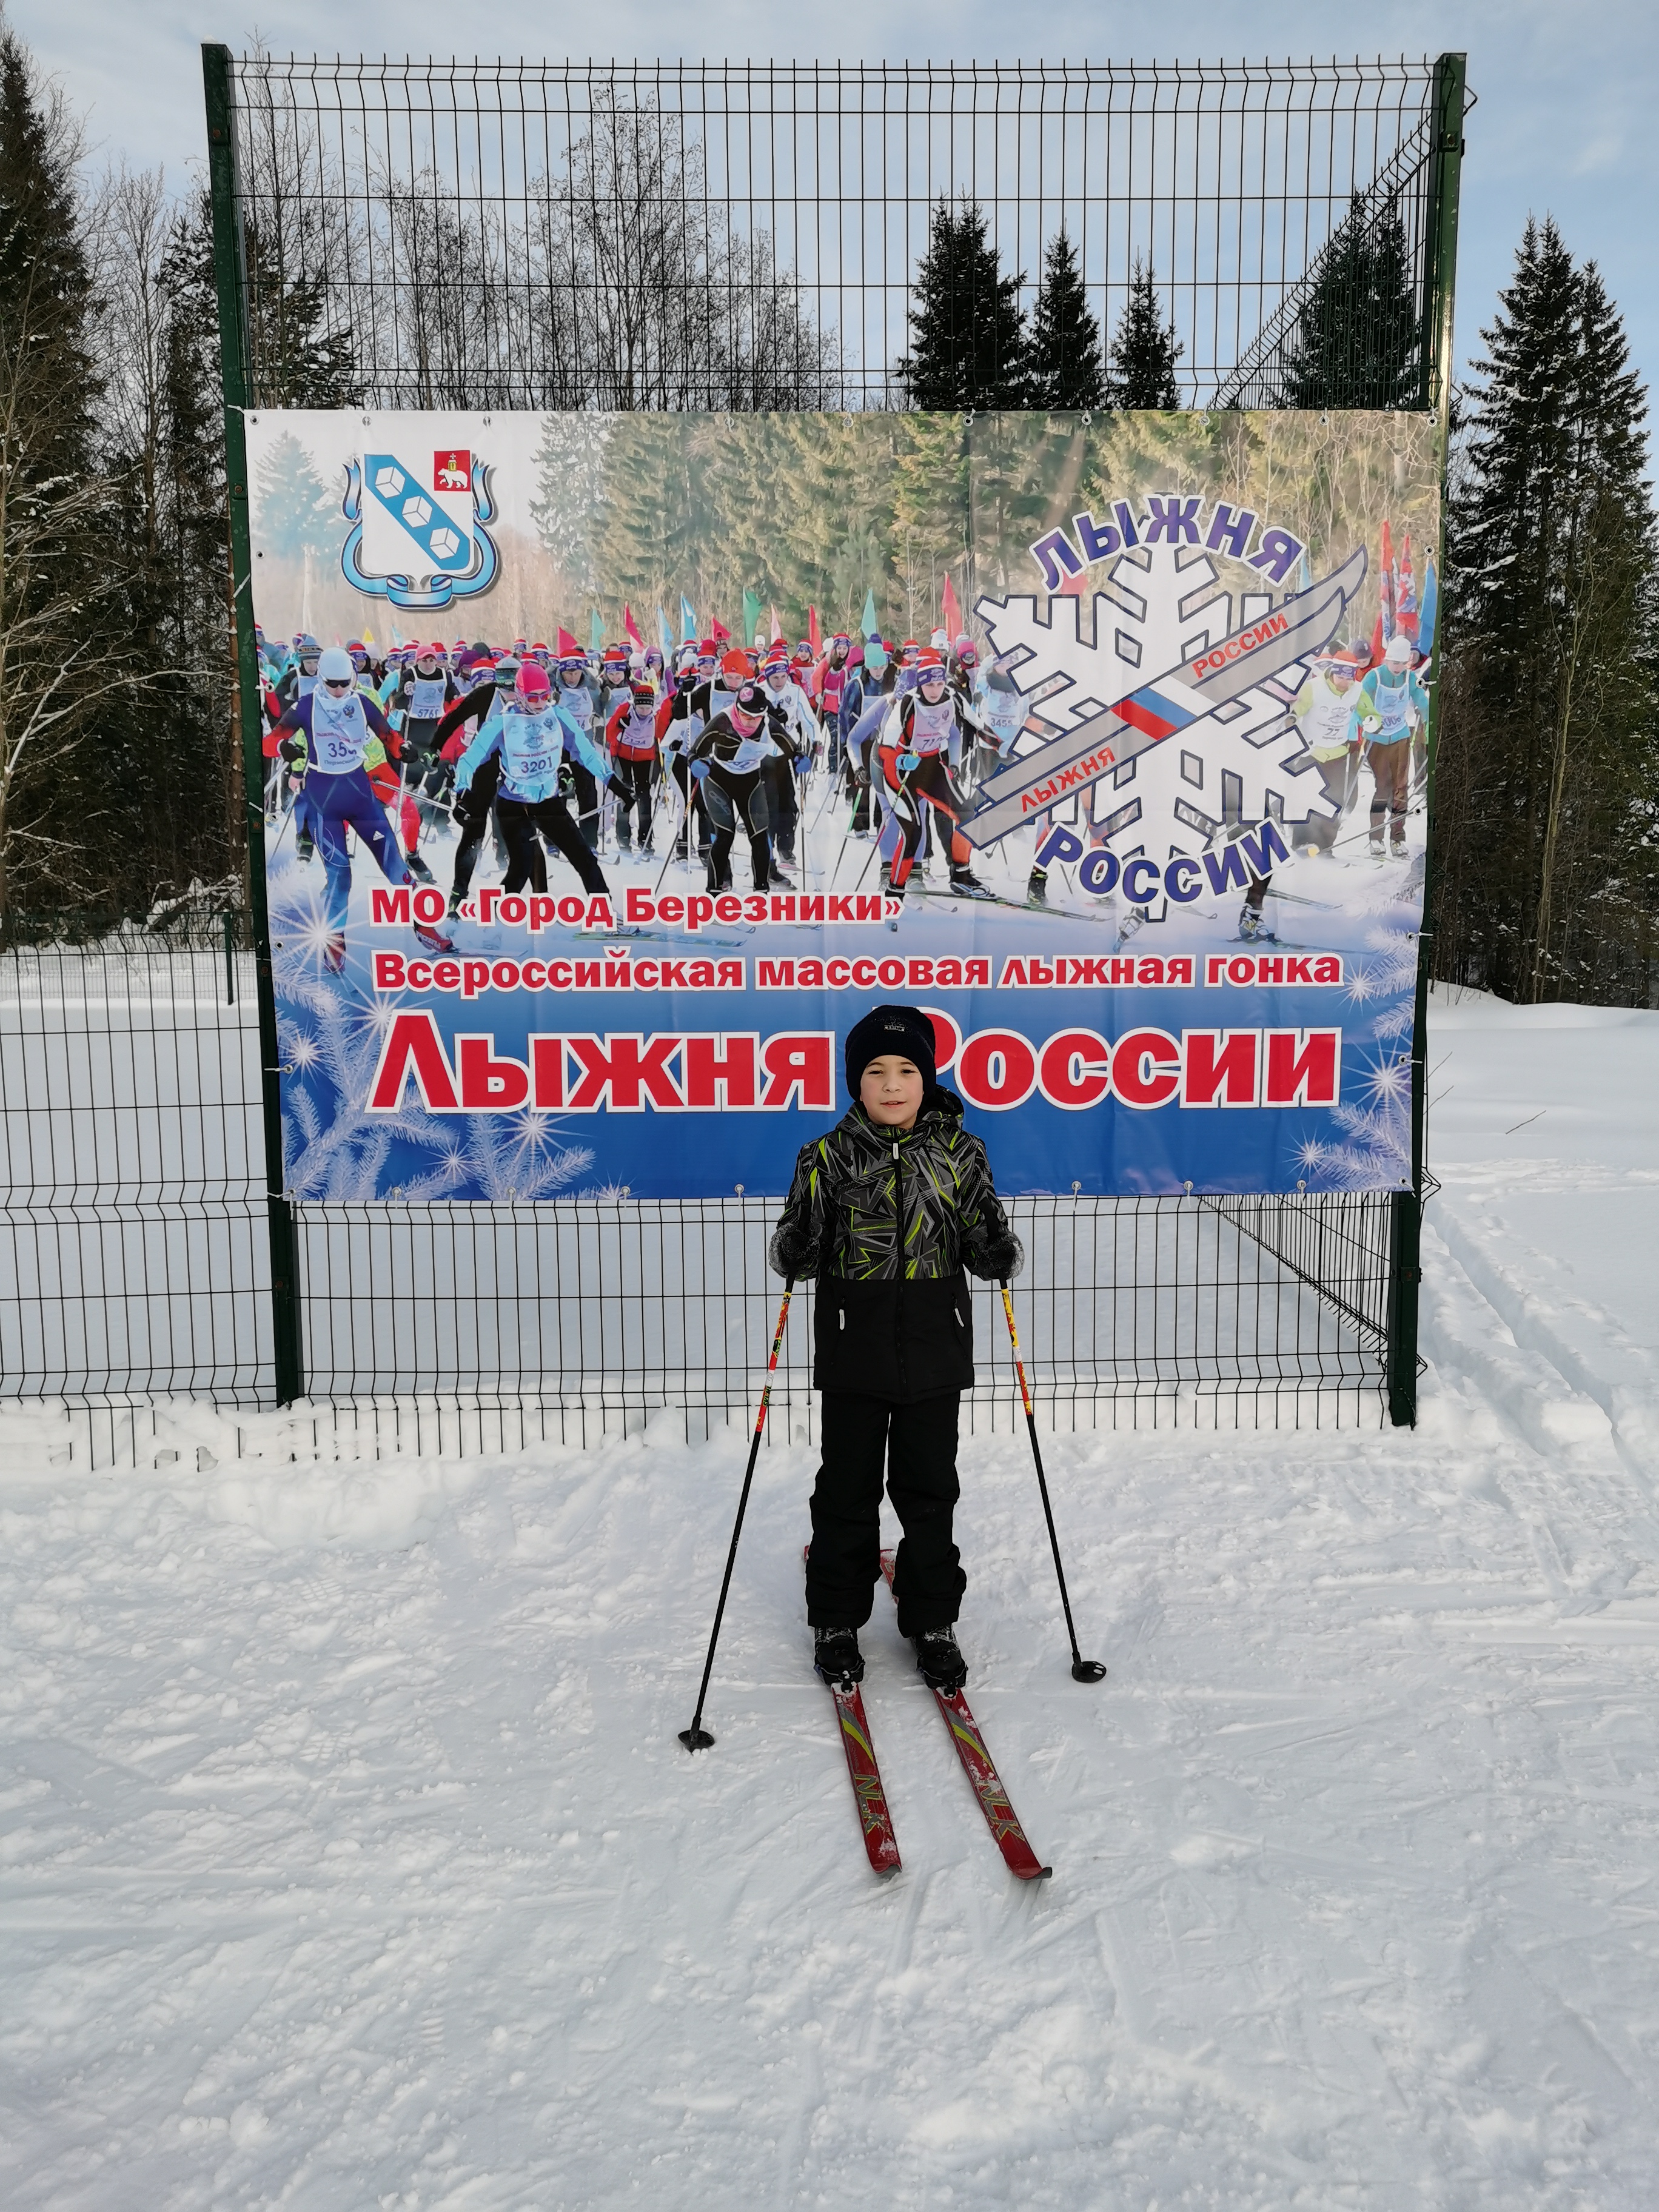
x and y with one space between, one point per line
134 1264
694 235
721 234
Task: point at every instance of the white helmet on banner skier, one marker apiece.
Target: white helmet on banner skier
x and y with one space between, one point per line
335 666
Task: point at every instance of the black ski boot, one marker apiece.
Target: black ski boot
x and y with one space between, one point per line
966 884
942 1666
836 1656
1251 928
1036 891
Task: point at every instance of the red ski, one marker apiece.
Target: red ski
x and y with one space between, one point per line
879 1841
877 1822
977 1764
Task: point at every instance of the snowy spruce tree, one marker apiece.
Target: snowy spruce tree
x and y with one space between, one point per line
295 511
1356 338
58 613
967 340
177 811
1548 781
1143 349
1064 362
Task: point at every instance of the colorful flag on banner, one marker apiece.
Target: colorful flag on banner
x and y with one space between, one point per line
1430 601
867 622
718 631
751 615
814 637
596 634
688 618
776 629
631 627
1404 590
567 644
1389 616
666 637
953 622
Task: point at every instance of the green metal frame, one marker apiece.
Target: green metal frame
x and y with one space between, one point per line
230 279
1439 296
1406 1222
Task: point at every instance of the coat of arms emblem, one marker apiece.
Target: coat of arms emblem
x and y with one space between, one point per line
418 535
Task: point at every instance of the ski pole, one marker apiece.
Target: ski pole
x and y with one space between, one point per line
281 833
1083 1670
673 844
696 1737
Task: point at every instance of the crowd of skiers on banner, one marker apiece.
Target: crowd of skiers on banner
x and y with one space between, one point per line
543 748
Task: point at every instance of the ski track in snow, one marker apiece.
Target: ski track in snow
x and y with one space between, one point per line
349 1858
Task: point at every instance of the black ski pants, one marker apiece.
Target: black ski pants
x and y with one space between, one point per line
782 809
915 1446
637 775
474 810
692 796
929 788
587 804
526 862
728 798
425 775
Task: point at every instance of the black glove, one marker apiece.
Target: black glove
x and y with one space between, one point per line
862 778
292 749
618 789
992 1257
790 1255
567 780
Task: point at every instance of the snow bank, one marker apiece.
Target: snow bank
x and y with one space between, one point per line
350 1858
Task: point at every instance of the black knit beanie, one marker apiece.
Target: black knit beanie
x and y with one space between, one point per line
905 1031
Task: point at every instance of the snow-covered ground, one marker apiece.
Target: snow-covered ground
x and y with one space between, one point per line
349 1858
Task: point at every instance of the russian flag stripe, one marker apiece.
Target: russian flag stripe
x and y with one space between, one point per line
1152 714
1180 694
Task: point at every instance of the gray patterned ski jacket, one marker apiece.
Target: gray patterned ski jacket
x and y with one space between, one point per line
886 1220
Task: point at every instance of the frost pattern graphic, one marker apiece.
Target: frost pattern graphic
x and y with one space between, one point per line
1378 1128
329 1035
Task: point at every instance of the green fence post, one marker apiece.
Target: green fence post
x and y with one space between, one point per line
233 367
1439 292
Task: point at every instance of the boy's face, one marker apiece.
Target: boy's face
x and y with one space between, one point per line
891 1090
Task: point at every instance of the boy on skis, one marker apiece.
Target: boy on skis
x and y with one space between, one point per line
884 1212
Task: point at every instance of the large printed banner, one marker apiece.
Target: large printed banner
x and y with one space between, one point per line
1169 853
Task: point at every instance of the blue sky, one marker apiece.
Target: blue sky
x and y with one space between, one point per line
1568 118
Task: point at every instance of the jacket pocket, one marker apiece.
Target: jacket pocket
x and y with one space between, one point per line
855 1338
938 1326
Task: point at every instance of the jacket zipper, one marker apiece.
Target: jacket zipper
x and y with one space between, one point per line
898 1255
